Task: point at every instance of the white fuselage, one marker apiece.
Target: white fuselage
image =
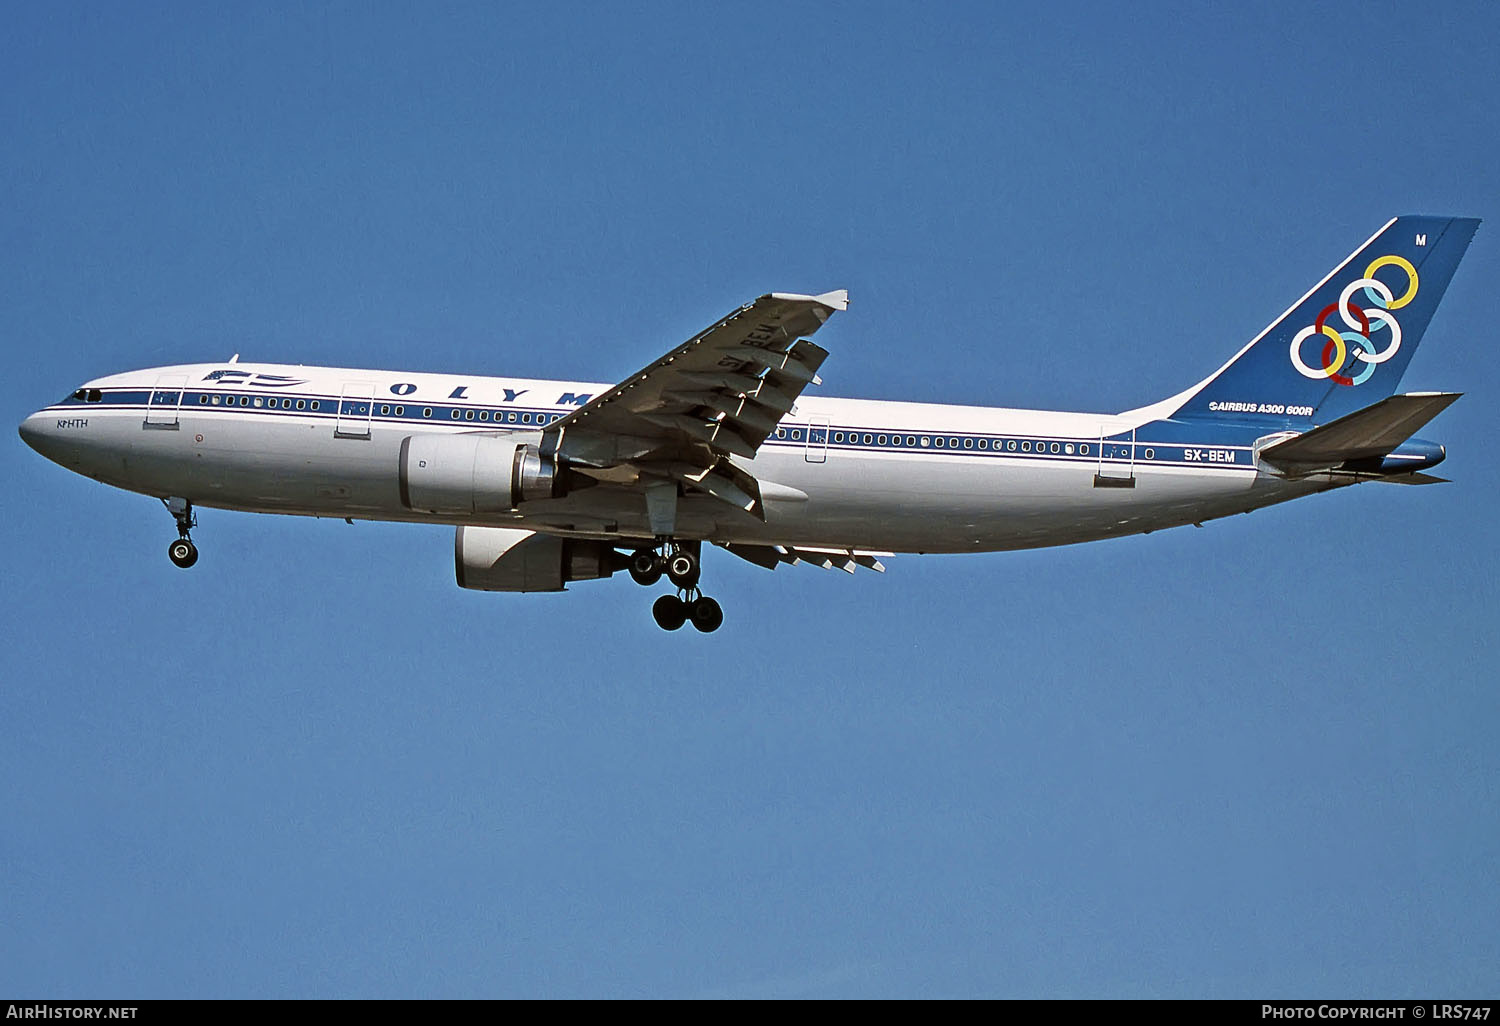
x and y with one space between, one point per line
841 473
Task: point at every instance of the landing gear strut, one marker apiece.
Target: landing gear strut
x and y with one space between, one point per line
680 562
182 551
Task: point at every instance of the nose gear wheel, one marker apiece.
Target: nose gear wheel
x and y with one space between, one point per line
182 552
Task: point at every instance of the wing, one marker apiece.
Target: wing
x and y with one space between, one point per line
718 395
772 556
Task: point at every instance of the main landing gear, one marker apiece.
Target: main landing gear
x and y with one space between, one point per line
182 551
679 561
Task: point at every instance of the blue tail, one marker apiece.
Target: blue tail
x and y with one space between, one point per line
1346 343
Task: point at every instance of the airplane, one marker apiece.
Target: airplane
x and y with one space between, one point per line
551 482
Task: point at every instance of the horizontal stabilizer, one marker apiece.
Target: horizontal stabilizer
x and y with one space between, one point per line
1361 436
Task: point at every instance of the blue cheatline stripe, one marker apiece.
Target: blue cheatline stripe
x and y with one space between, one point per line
1159 450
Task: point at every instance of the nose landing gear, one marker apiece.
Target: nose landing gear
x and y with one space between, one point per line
680 562
182 552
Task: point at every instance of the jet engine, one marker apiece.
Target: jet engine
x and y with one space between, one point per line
507 559
474 473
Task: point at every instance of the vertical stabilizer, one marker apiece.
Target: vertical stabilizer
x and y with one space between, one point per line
1346 344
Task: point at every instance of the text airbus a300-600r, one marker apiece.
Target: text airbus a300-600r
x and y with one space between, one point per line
547 482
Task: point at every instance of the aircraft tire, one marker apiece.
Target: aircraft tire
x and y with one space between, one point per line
707 615
670 612
682 568
645 569
183 553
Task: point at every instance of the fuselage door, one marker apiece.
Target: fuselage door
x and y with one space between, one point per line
165 401
356 406
817 440
1116 468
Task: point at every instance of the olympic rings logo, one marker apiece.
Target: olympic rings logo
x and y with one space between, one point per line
1338 344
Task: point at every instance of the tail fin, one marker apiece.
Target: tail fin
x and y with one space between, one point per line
1347 342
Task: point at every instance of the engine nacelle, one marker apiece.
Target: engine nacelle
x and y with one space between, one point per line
474 473
506 559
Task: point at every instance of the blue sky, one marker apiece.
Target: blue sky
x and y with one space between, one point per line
1254 759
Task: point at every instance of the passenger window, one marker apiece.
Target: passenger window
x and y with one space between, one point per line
880 439
453 414
385 411
796 435
838 436
968 443
202 399
1056 447
314 404
484 414
1083 450
427 411
216 400
259 402
468 415
1068 449
525 418
400 411
1025 446
302 405
867 439
938 443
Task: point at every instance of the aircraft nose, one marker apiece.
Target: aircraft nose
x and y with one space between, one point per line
31 433
38 431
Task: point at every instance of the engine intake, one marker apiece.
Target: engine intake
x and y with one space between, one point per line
507 559
475 473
